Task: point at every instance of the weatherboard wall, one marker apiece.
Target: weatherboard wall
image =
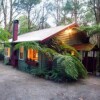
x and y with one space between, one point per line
23 66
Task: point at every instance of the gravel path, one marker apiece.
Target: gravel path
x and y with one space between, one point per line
17 85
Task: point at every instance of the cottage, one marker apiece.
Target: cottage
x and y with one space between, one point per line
68 35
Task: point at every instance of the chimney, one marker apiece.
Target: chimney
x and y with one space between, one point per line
15 30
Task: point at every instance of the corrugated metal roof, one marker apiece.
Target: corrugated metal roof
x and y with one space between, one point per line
41 35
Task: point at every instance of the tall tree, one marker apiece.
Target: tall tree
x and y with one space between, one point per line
8 12
95 5
43 16
27 6
23 25
72 7
55 8
4 8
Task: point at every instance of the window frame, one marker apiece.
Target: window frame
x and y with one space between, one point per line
8 55
28 55
23 54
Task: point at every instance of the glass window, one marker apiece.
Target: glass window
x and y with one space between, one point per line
32 54
7 52
21 53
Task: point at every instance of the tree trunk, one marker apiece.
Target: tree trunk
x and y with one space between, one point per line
29 24
75 10
96 9
10 21
4 7
58 11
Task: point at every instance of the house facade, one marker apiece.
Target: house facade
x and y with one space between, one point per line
67 34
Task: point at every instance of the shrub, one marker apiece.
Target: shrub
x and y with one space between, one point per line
56 74
1 55
41 72
67 67
72 66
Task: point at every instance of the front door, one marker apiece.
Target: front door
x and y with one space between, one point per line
14 59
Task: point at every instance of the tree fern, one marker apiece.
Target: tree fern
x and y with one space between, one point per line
72 66
95 29
36 46
60 47
27 45
67 66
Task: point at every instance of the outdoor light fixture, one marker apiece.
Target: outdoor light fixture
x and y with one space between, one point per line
68 31
72 53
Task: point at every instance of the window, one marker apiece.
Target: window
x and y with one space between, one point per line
90 54
32 54
7 51
21 53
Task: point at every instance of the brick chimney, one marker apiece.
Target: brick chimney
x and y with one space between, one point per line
15 30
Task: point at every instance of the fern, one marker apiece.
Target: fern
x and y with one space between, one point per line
33 45
60 47
67 66
81 69
72 66
95 29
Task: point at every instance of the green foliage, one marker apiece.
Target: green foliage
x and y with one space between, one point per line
4 35
57 74
41 72
49 52
1 54
68 6
24 25
33 45
69 48
27 5
95 29
91 30
36 46
60 47
67 67
72 66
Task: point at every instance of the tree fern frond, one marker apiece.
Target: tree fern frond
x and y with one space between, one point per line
70 48
95 29
33 45
72 66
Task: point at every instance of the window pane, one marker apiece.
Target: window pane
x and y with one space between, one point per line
21 53
32 54
7 52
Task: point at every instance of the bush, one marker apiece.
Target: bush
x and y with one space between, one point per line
72 66
67 67
1 55
56 74
41 72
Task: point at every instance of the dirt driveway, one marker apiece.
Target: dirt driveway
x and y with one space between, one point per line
16 85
